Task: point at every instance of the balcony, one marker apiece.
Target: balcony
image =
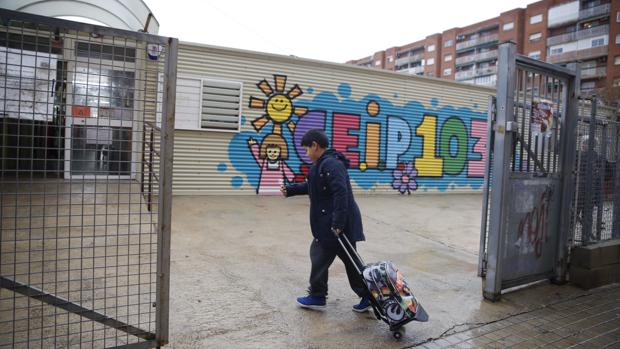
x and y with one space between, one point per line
414 70
594 12
409 59
476 58
578 35
578 55
595 72
467 74
476 42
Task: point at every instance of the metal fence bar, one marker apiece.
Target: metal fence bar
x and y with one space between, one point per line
165 193
586 216
568 130
142 345
600 197
482 256
71 307
616 191
502 146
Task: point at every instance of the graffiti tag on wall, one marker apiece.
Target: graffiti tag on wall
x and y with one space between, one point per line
408 146
532 229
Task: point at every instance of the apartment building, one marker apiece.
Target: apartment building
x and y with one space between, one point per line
556 31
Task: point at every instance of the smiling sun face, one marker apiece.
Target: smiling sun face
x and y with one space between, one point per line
279 106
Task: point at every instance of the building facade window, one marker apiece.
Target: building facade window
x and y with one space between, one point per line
616 81
617 60
205 104
447 71
618 16
430 61
618 39
447 58
557 51
377 63
447 43
431 48
534 54
598 42
535 36
536 19
508 26
390 59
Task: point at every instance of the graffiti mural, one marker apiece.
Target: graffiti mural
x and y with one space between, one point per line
404 145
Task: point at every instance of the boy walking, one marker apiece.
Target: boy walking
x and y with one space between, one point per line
333 211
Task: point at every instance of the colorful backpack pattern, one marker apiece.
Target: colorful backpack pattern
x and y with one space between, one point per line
388 287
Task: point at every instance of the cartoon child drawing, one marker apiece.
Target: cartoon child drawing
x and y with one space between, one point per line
270 157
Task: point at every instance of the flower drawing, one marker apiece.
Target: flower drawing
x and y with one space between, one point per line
404 178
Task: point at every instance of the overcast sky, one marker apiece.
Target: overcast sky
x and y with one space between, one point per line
329 30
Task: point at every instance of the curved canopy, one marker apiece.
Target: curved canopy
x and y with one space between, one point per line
122 14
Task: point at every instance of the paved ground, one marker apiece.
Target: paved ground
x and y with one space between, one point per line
590 320
239 262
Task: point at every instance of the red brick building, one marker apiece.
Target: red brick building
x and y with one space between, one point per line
556 31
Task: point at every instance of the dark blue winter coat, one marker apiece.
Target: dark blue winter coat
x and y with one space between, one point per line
331 199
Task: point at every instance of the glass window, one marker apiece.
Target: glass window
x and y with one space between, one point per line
431 48
508 26
536 19
447 43
598 42
447 71
535 36
377 63
430 61
447 58
618 39
534 54
617 60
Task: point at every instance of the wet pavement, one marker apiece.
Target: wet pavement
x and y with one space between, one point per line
238 263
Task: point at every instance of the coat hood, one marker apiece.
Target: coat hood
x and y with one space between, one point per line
337 155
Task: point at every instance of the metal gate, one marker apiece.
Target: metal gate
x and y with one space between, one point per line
525 239
86 125
595 210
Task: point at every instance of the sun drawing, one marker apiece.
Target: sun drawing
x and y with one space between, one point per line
279 106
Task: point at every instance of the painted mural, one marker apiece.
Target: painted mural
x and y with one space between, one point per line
406 145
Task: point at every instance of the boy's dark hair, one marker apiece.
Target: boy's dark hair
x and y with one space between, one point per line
315 135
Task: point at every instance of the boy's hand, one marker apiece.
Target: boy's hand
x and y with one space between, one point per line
283 190
336 231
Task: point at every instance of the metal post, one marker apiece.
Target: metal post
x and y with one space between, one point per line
143 158
615 234
567 164
502 146
151 169
586 219
485 199
165 194
600 198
